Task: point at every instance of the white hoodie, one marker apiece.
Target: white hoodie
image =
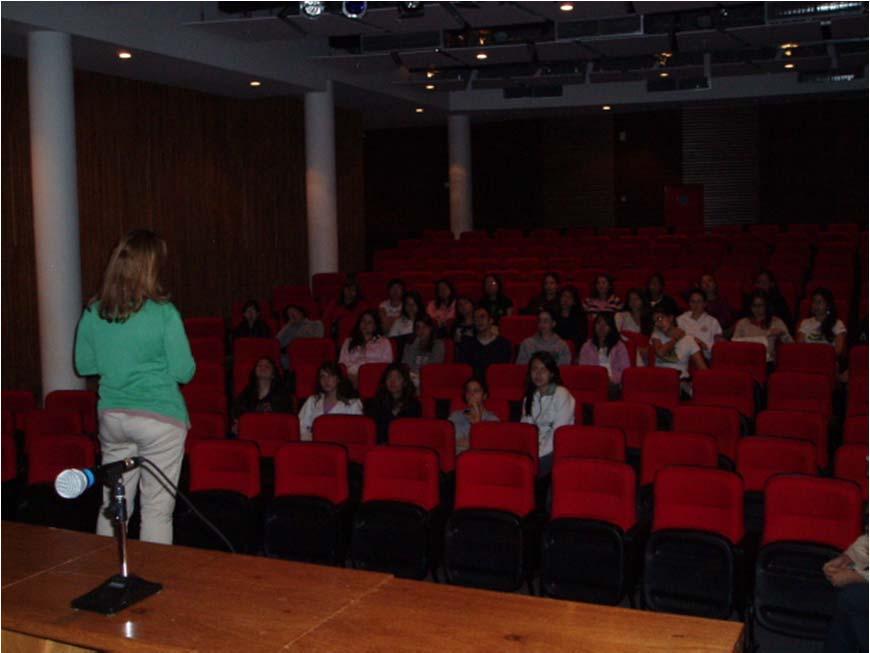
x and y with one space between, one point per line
549 412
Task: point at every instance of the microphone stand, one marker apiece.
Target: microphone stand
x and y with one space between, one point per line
124 589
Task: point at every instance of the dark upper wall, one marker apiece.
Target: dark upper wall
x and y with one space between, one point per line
222 180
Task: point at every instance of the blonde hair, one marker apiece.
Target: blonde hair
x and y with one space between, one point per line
132 276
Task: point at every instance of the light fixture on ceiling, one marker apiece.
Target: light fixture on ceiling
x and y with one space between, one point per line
410 9
354 9
606 107
664 74
418 110
430 74
788 46
789 66
254 83
124 54
787 53
430 87
312 8
566 6
481 56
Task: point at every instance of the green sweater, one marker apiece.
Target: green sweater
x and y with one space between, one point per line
140 362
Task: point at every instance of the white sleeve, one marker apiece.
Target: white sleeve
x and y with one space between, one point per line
563 409
715 328
306 418
687 347
839 328
355 407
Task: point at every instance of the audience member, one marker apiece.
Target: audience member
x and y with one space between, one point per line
766 281
296 325
486 347
391 308
570 320
822 326
474 393
636 318
252 324
494 299
412 308
442 309
548 297
265 393
345 310
334 396
424 350
547 404
396 397
762 326
697 323
464 325
673 348
366 344
603 299
847 572
655 290
606 349
716 305
545 340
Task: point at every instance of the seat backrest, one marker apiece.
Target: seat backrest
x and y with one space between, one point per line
806 357
634 419
49 455
858 360
264 427
19 403
693 498
83 402
443 380
506 436
800 392
506 381
602 490
857 395
720 422
311 351
369 379
748 357
517 328
724 388
232 465
208 350
315 469
659 387
812 427
405 474
209 375
435 434
850 463
205 399
588 384
595 442
498 407
666 448
856 429
205 426
811 509
495 480
345 429
47 422
760 458
205 327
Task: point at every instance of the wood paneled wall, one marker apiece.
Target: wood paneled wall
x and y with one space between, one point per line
222 180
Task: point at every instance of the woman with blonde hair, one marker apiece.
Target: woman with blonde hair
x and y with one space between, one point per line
132 337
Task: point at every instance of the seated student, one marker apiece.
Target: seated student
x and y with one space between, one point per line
334 396
412 308
570 321
548 297
716 304
603 299
822 326
547 404
636 317
699 324
485 347
673 348
655 290
463 327
494 299
391 308
424 350
847 572
396 397
346 309
442 309
606 349
475 394
252 324
762 326
545 340
265 393
297 325
766 281
365 345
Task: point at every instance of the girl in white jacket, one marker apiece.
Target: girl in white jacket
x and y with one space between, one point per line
548 405
334 396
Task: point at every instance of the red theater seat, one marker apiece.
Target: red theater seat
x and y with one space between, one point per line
205 327
720 422
435 434
311 351
83 402
659 387
760 458
506 381
850 463
732 389
800 392
807 358
663 449
19 403
601 443
812 427
269 430
749 357
633 419
506 436
356 432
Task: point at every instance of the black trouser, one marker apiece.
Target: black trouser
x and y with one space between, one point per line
848 630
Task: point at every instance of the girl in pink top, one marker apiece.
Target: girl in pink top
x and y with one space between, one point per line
605 348
365 345
442 309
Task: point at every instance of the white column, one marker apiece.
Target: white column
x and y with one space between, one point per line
55 205
459 137
320 187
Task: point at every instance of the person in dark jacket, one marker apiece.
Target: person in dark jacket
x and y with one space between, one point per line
486 347
396 397
265 393
252 324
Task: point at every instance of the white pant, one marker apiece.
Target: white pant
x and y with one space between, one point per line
123 436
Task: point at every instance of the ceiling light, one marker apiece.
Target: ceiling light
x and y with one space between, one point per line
789 66
606 107
787 53
418 110
410 9
354 9
663 74
124 54
567 6
482 56
254 83
312 8
788 46
430 87
430 74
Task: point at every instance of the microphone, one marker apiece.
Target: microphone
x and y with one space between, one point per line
72 483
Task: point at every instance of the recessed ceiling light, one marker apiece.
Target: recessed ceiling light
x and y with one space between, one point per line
567 6
430 74
482 56
124 54
430 87
606 107
418 110
789 66
254 82
788 46
664 74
